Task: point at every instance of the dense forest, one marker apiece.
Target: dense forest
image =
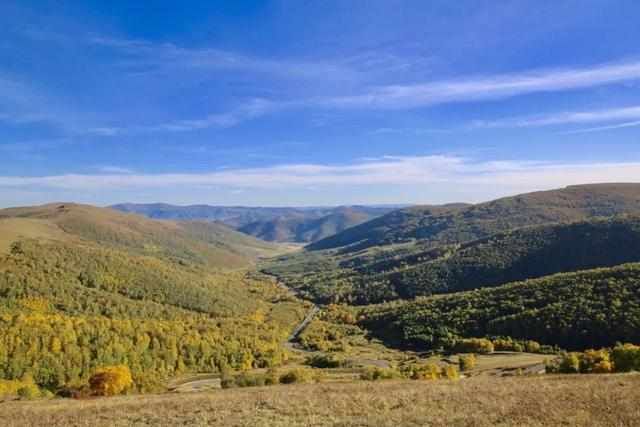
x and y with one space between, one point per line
588 309
519 254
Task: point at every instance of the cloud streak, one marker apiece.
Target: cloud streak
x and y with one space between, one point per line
386 171
604 128
566 117
142 56
486 88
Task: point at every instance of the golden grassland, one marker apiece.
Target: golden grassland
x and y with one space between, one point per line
584 400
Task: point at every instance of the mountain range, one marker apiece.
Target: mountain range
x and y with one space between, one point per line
286 224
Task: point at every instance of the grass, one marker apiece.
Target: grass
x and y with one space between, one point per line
584 400
13 229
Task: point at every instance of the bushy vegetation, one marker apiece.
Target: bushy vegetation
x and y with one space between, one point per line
474 345
246 379
299 375
467 362
589 309
110 380
414 371
621 358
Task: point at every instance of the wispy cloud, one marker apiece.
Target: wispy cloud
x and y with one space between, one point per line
486 88
141 56
118 170
390 170
408 131
565 117
604 128
250 110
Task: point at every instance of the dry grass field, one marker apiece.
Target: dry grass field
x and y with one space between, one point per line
580 400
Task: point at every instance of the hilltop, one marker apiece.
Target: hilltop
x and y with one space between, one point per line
434 226
214 243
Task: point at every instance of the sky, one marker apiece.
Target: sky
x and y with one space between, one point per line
308 103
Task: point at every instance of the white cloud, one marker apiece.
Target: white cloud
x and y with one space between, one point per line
251 110
106 169
486 88
445 171
566 117
603 128
168 56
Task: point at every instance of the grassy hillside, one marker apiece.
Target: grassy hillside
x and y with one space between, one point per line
436 226
571 400
412 271
210 243
299 225
588 309
83 287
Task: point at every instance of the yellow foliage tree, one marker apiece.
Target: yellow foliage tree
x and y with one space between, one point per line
111 380
467 362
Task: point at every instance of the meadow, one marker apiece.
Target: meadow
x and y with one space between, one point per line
568 400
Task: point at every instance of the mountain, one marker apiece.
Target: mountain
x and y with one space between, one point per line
305 228
234 216
298 225
587 309
83 287
434 226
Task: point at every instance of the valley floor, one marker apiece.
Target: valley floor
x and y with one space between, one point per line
569 400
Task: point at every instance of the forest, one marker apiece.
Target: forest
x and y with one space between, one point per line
588 309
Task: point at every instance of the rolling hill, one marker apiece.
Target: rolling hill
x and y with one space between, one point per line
434 226
208 242
520 254
298 225
587 309
83 287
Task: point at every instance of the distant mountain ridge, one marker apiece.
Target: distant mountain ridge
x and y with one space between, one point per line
276 224
458 223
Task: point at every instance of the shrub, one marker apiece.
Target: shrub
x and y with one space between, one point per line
375 374
626 357
430 371
532 346
569 363
595 361
325 361
29 391
451 372
474 345
467 362
110 380
299 375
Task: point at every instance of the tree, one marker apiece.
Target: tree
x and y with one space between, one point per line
111 380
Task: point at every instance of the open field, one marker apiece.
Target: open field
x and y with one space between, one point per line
585 400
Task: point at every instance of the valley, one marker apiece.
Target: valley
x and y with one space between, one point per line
441 299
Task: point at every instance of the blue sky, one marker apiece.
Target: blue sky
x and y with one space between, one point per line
314 102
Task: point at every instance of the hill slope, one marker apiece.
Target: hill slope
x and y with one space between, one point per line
588 309
213 243
524 253
83 287
442 225
302 228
